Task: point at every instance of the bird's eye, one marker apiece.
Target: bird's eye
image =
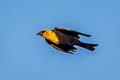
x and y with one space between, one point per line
43 31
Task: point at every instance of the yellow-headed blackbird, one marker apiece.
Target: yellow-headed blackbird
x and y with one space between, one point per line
64 39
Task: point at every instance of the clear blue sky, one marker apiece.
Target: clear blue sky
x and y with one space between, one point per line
26 56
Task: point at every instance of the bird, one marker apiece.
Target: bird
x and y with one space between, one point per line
65 40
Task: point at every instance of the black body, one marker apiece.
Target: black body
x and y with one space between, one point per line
68 38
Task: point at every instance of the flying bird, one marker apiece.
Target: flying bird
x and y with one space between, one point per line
64 39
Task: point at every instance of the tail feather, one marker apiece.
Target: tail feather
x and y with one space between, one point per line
88 46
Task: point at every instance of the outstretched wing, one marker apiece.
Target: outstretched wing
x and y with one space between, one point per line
64 48
71 32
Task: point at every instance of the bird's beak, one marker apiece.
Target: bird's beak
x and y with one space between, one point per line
37 33
40 33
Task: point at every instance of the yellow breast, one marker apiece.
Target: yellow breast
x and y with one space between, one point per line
51 36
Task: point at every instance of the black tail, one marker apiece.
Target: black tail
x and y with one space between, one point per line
88 46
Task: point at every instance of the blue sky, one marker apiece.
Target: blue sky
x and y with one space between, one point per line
26 56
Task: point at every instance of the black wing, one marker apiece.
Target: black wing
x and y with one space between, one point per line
71 32
64 48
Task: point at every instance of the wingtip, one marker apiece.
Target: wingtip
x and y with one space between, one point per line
89 35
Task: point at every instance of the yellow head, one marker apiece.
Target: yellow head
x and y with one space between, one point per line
49 35
44 33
